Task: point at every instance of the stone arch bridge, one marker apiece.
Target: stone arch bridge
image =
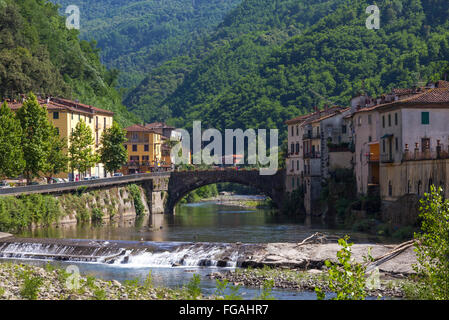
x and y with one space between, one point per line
181 183
165 189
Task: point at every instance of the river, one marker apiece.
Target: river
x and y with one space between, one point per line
211 224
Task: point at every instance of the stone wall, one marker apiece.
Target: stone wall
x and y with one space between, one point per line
115 203
401 212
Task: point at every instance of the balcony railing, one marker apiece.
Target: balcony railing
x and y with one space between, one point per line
144 163
386 158
309 136
425 155
312 155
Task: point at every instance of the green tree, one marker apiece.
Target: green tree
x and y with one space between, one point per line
82 155
346 278
113 153
36 133
57 160
11 154
432 245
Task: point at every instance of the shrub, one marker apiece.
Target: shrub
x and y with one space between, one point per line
432 246
193 287
347 278
97 215
134 190
31 286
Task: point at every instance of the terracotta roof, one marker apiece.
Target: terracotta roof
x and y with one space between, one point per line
334 113
59 104
157 125
138 128
297 119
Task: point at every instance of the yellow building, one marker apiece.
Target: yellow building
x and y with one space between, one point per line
65 114
144 150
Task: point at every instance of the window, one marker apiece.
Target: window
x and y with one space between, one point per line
297 165
79 116
293 183
425 119
146 148
134 158
104 123
292 148
383 121
134 147
297 130
369 119
145 158
383 145
370 139
72 116
396 119
396 142
390 189
292 130
343 129
360 121
90 119
55 115
297 148
389 120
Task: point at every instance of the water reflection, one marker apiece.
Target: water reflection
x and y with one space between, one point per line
205 222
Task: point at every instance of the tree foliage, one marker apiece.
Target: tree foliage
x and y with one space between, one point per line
82 155
432 246
113 153
36 134
11 154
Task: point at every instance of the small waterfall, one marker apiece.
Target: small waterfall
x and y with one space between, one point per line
206 255
132 255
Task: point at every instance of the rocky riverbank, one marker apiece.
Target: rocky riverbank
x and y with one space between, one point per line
307 281
25 282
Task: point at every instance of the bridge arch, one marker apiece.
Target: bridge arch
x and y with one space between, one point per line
183 182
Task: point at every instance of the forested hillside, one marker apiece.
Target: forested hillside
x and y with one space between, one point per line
243 82
238 46
138 35
38 53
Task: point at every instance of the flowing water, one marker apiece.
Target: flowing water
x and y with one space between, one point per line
200 239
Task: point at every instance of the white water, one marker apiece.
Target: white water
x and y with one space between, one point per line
180 255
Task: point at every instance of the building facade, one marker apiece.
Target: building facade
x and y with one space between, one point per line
144 148
65 114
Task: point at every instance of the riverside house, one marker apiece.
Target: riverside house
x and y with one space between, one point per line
65 114
414 143
308 137
397 145
144 147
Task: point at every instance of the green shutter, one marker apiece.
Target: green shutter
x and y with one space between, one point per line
425 119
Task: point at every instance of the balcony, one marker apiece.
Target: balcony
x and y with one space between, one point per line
425 155
386 158
312 155
309 136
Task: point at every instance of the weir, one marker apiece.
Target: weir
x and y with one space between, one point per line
127 254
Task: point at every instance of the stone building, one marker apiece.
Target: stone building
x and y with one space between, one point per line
414 141
65 114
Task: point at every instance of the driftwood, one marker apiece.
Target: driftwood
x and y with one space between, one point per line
390 255
314 238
